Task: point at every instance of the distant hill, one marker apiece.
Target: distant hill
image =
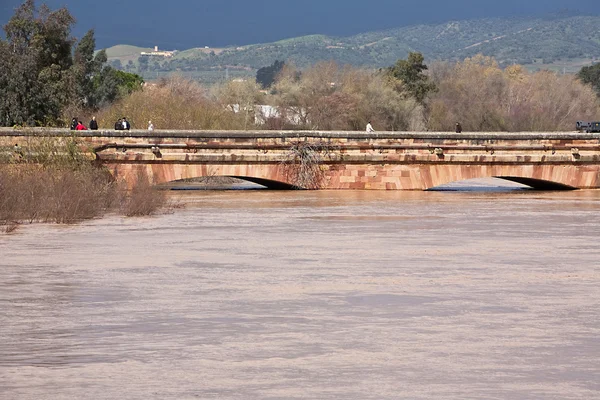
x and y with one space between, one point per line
545 42
124 50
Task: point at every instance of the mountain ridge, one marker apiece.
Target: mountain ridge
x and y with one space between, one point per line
521 40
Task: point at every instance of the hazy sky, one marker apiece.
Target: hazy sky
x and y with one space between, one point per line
179 24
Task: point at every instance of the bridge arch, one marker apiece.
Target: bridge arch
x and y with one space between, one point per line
540 177
271 176
369 176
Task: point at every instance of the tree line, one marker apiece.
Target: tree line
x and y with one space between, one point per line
411 95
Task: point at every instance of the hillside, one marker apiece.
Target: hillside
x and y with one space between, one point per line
123 50
568 40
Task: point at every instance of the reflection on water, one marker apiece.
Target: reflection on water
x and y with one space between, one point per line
322 295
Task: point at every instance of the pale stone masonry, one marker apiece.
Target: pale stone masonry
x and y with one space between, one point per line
348 160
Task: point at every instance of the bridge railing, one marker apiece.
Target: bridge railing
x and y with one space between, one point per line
218 134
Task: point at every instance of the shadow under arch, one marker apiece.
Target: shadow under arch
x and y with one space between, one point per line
214 182
537 184
269 184
500 184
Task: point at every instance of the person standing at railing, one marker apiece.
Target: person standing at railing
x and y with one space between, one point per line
93 124
80 126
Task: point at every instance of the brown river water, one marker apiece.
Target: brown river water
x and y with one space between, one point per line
310 295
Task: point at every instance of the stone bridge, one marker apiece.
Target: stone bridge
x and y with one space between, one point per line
341 160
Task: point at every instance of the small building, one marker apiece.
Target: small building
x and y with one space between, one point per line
158 53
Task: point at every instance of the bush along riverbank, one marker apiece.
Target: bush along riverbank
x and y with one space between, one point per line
55 182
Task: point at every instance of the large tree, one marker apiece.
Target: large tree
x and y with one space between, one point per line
36 60
84 68
266 76
410 73
43 69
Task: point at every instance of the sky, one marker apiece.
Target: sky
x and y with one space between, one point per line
182 24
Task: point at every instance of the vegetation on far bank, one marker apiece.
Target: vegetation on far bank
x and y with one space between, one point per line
409 96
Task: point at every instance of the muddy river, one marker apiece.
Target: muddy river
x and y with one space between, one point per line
309 295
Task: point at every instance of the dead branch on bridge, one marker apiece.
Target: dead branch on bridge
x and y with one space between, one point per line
303 164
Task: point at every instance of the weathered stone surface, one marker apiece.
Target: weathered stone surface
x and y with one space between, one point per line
349 160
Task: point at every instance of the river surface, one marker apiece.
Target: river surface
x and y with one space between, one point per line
309 295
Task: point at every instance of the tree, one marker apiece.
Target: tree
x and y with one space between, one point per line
410 73
143 62
36 60
111 85
330 97
591 76
240 97
482 96
266 76
85 67
43 70
116 64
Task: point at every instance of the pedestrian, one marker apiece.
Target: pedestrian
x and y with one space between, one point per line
119 125
458 127
370 127
150 126
93 124
80 126
126 125
74 123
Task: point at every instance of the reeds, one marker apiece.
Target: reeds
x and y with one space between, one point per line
143 199
53 181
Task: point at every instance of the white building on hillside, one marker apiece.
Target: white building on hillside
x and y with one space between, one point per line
158 53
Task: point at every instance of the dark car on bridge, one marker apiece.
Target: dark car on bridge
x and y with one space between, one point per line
587 127
593 127
581 126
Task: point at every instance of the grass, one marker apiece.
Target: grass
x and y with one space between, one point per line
125 50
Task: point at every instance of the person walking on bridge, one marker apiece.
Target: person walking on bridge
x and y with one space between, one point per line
370 127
